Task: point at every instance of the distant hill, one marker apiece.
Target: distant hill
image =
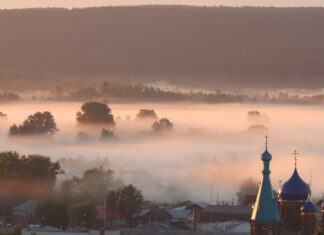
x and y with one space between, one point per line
238 47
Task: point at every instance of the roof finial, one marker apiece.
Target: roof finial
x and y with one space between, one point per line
295 153
266 142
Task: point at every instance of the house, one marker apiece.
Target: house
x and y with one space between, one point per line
180 214
181 218
153 215
112 218
222 213
25 211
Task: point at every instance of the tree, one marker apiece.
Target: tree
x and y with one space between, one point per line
95 113
255 116
107 134
128 200
258 128
94 184
83 214
104 88
146 114
36 124
83 136
247 187
163 124
55 213
58 92
84 93
9 96
23 177
15 230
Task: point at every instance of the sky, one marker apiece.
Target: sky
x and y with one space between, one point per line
10 4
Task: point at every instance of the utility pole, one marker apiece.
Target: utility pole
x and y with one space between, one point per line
211 194
119 199
194 225
104 220
217 197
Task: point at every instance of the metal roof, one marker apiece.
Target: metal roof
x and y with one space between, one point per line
295 189
179 214
27 207
266 208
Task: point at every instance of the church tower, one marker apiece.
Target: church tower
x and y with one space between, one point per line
265 217
322 210
293 195
308 218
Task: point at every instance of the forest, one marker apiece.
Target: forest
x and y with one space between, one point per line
198 46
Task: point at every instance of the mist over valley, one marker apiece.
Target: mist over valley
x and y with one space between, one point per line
208 143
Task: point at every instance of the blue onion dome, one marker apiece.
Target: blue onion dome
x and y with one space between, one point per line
308 207
295 189
266 156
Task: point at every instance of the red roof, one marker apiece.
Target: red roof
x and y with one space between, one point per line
110 213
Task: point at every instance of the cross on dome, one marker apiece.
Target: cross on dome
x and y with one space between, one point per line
295 153
266 141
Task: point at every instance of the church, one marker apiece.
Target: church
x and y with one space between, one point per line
287 212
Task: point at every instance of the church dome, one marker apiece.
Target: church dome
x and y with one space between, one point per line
295 189
308 207
266 156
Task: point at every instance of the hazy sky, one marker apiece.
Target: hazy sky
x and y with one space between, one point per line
89 3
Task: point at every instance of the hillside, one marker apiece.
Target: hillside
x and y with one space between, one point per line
265 47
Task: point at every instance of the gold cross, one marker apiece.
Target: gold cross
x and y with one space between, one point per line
266 142
295 153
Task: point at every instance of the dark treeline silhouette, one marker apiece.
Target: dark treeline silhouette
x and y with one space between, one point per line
266 47
8 96
144 93
117 91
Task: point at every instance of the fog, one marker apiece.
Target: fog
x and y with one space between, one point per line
210 146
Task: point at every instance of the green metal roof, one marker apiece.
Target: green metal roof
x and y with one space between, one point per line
266 206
